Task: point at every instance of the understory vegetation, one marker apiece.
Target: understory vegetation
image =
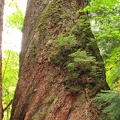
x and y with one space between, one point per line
104 16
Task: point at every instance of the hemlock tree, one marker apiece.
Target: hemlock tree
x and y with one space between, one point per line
60 72
1 28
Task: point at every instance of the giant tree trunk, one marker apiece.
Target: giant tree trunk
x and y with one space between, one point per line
1 29
47 88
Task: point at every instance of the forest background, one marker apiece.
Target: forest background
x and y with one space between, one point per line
105 24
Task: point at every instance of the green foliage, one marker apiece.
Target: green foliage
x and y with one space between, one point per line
111 102
66 52
10 67
65 42
113 67
12 3
104 17
82 56
16 19
81 61
63 46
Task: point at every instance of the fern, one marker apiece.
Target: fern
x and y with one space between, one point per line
82 56
112 100
66 42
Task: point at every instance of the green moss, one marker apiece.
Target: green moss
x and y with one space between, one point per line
66 16
51 98
36 116
40 114
51 13
43 111
32 51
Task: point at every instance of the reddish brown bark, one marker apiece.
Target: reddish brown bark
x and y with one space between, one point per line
1 29
41 93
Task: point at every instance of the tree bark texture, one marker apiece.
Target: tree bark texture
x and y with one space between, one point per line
44 91
1 29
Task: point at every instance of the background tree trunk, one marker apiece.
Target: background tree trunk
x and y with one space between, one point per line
1 29
42 92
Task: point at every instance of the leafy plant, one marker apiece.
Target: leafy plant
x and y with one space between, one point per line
113 68
10 67
63 46
65 41
16 19
66 52
111 102
104 17
81 61
10 59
